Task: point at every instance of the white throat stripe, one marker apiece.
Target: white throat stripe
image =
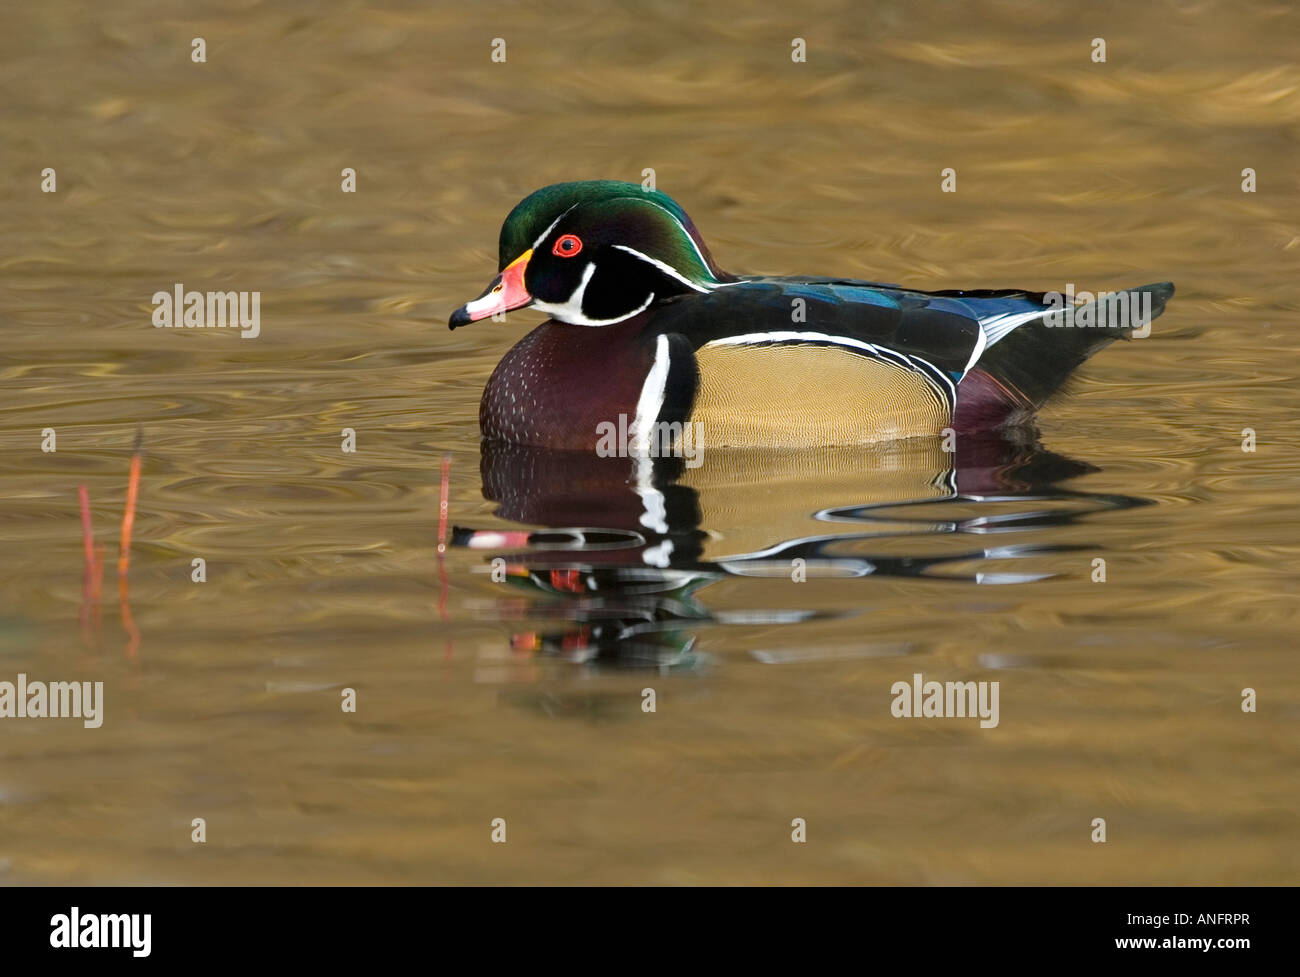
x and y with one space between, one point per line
570 310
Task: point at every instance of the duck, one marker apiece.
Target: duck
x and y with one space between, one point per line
648 336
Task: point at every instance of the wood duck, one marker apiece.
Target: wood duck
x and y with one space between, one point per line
646 329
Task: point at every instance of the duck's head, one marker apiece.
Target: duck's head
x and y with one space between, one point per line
594 253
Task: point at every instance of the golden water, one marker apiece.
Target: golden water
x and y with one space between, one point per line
1119 700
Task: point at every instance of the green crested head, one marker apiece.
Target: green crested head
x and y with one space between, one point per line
595 252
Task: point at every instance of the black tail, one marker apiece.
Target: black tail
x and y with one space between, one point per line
1035 359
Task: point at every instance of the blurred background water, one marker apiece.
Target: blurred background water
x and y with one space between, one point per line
478 699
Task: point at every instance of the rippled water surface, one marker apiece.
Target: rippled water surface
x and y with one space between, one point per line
482 698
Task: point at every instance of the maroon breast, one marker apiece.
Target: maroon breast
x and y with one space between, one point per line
559 383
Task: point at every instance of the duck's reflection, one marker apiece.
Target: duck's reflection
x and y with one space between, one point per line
629 543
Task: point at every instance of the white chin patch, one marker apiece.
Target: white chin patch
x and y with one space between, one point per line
570 310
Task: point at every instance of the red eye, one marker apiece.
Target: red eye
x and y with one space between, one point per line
567 246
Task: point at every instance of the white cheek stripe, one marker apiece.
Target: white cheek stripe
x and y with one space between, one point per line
572 306
570 310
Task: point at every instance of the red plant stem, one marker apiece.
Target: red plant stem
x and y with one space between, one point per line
442 504
128 517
